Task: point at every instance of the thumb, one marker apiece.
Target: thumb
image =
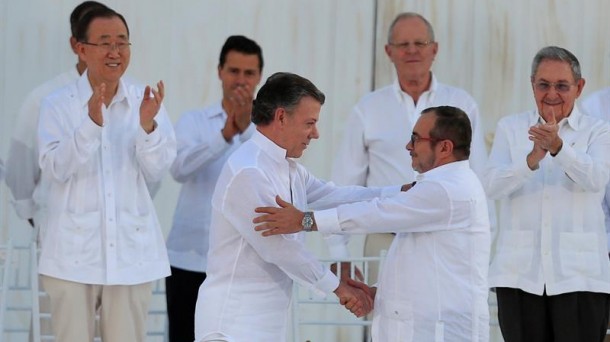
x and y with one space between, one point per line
281 202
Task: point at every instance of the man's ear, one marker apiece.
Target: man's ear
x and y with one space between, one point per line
279 115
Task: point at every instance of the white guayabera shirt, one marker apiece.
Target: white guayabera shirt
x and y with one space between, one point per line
551 234
102 227
247 292
433 285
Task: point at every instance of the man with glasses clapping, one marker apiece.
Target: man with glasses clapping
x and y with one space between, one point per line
549 168
101 140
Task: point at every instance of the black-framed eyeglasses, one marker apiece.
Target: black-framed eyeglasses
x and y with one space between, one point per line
560 87
418 44
109 47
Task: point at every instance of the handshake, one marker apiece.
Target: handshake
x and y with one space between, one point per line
356 296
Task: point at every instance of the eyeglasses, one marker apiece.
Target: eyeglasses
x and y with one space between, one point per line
560 87
418 44
415 138
109 47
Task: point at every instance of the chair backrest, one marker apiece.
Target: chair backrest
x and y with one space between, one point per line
307 308
6 262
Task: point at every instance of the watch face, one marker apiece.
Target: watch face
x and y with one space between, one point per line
307 222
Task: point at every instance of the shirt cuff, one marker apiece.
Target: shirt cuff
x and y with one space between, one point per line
327 221
390 191
326 285
149 139
245 135
24 208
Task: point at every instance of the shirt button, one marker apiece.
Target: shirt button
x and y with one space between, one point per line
112 245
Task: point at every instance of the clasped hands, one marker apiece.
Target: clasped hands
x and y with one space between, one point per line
546 139
356 296
239 111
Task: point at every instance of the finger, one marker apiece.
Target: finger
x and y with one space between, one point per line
553 117
281 202
147 93
264 226
267 210
273 231
161 87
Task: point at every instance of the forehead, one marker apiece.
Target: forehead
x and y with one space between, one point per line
425 123
410 28
552 70
104 28
241 60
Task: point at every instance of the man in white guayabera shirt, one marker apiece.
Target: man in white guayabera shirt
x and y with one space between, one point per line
101 139
247 292
549 168
433 286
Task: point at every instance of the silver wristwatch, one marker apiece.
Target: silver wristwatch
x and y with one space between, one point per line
307 222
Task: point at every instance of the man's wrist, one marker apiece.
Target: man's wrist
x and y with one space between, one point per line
307 221
553 154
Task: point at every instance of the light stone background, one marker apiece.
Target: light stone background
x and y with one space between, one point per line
485 47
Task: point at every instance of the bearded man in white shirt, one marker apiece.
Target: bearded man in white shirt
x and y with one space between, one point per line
549 168
433 286
206 138
247 292
372 151
23 172
101 139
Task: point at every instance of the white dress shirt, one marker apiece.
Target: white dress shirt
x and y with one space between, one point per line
202 151
247 292
23 173
598 105
373 151
433 284
551 226
102 227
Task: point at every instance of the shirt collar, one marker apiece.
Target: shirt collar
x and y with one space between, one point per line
215 110
85 91
573 120
271 148
401 95
439 171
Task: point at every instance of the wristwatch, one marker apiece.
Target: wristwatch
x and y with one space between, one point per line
307 222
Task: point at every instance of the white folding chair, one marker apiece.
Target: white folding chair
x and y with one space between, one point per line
6 262
303 298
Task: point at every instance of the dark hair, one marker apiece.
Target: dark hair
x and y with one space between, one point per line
282 90
452 124
104 12
79 12
241 44
555 53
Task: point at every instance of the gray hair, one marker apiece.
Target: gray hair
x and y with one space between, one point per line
407 15
282 90
555 53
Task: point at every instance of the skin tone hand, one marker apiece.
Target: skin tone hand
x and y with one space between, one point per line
546 139
150 106
239 111
95 104
355 297
283 220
